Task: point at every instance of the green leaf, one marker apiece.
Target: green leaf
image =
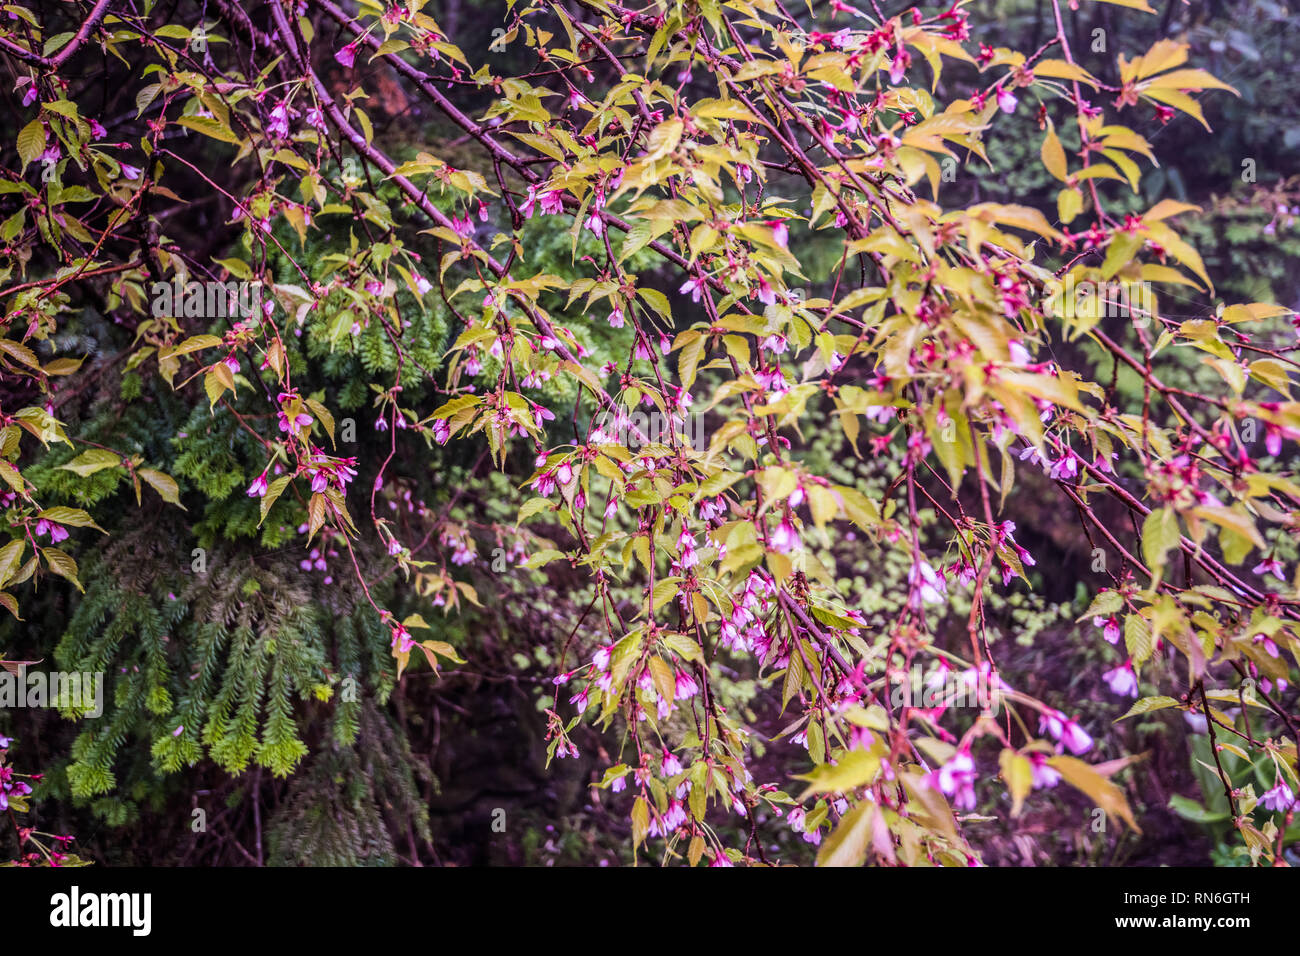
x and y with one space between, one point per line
854 769
1189 809
683 646
62 564
1018 773
31 142
531 507
20 352
164 484
640 821
444 649
11 556
847 846
1101 791
1159 535
193 344
1146 705
542 558
209 126
1104 604
72 517
688 361
273 491
12 478
89 462
1137 639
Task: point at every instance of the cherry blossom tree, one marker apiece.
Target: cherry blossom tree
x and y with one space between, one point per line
687 155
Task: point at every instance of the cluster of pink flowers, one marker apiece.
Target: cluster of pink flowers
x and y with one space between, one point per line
1063 468
956 779
402 639
964 570
9 782
566 748
277 126
11 787
462 546
1274 433
1122 680
56 531
1280 799
688 558
670 820
347 55
797 818
1045 775
1271 566
317 558
785 538
561 476
1005 534
684 687
551 202
927 585
744 630
772 379
1065 731
326 471
675 817
710 509
300 419
323 470
1109 627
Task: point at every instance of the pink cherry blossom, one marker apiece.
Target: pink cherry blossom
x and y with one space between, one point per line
1122 680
